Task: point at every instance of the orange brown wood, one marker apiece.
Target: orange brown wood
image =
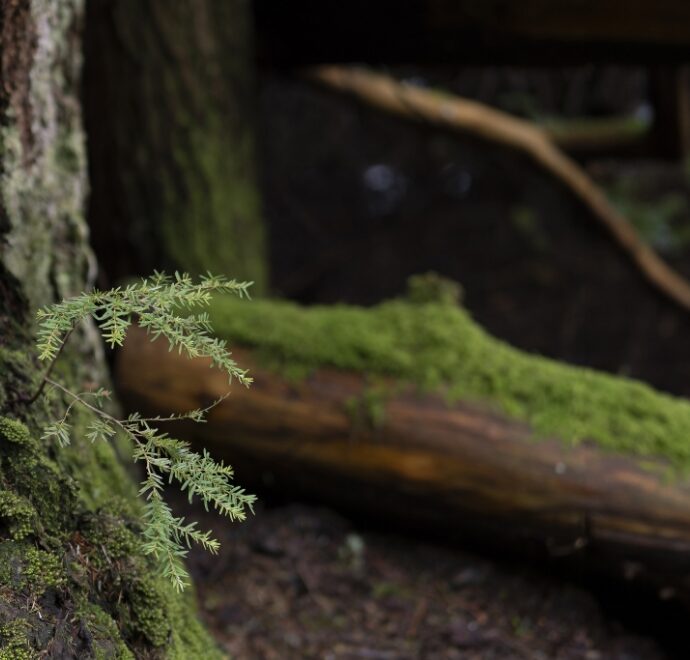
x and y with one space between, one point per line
459 470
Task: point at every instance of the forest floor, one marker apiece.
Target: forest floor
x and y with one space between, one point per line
297 581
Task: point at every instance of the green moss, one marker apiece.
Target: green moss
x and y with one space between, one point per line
147 602
432 287
189 639
14 643
17 370
100 469
218 226
166 620
30 473
40 570
438 347
12 430
368 409
80 504
28 569
192 179
17 515
106 539
133 594
105 635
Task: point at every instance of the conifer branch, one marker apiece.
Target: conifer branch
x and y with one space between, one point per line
164 306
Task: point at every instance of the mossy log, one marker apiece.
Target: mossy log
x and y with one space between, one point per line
462 468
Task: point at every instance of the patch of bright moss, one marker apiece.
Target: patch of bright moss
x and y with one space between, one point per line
28 569
12 430
13 641
164 618
17 514
439 347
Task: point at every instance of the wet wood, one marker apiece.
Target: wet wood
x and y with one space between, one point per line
457 470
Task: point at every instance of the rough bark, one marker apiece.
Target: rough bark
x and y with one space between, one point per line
73 581
168 96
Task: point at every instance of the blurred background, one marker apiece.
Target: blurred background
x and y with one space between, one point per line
216 142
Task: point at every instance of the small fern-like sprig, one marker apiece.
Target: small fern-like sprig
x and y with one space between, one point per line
168 538
162 305
156 303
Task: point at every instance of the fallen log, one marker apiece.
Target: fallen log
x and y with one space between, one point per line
409 456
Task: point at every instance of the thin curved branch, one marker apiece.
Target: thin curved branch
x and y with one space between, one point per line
458 114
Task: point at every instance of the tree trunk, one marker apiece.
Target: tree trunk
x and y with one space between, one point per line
73 581
168 97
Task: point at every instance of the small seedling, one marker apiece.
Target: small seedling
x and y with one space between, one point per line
163 306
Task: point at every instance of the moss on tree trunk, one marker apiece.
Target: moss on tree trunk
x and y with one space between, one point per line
73 581
171 143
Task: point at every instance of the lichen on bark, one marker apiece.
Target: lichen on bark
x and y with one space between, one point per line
73 580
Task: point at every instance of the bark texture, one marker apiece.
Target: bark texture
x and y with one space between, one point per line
73 582
168 89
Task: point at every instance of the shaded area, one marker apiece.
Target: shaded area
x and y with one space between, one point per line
299 581
357 201
489 31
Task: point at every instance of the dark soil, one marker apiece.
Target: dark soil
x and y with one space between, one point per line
297 581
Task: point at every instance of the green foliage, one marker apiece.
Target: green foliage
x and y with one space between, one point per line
166 307
156 304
